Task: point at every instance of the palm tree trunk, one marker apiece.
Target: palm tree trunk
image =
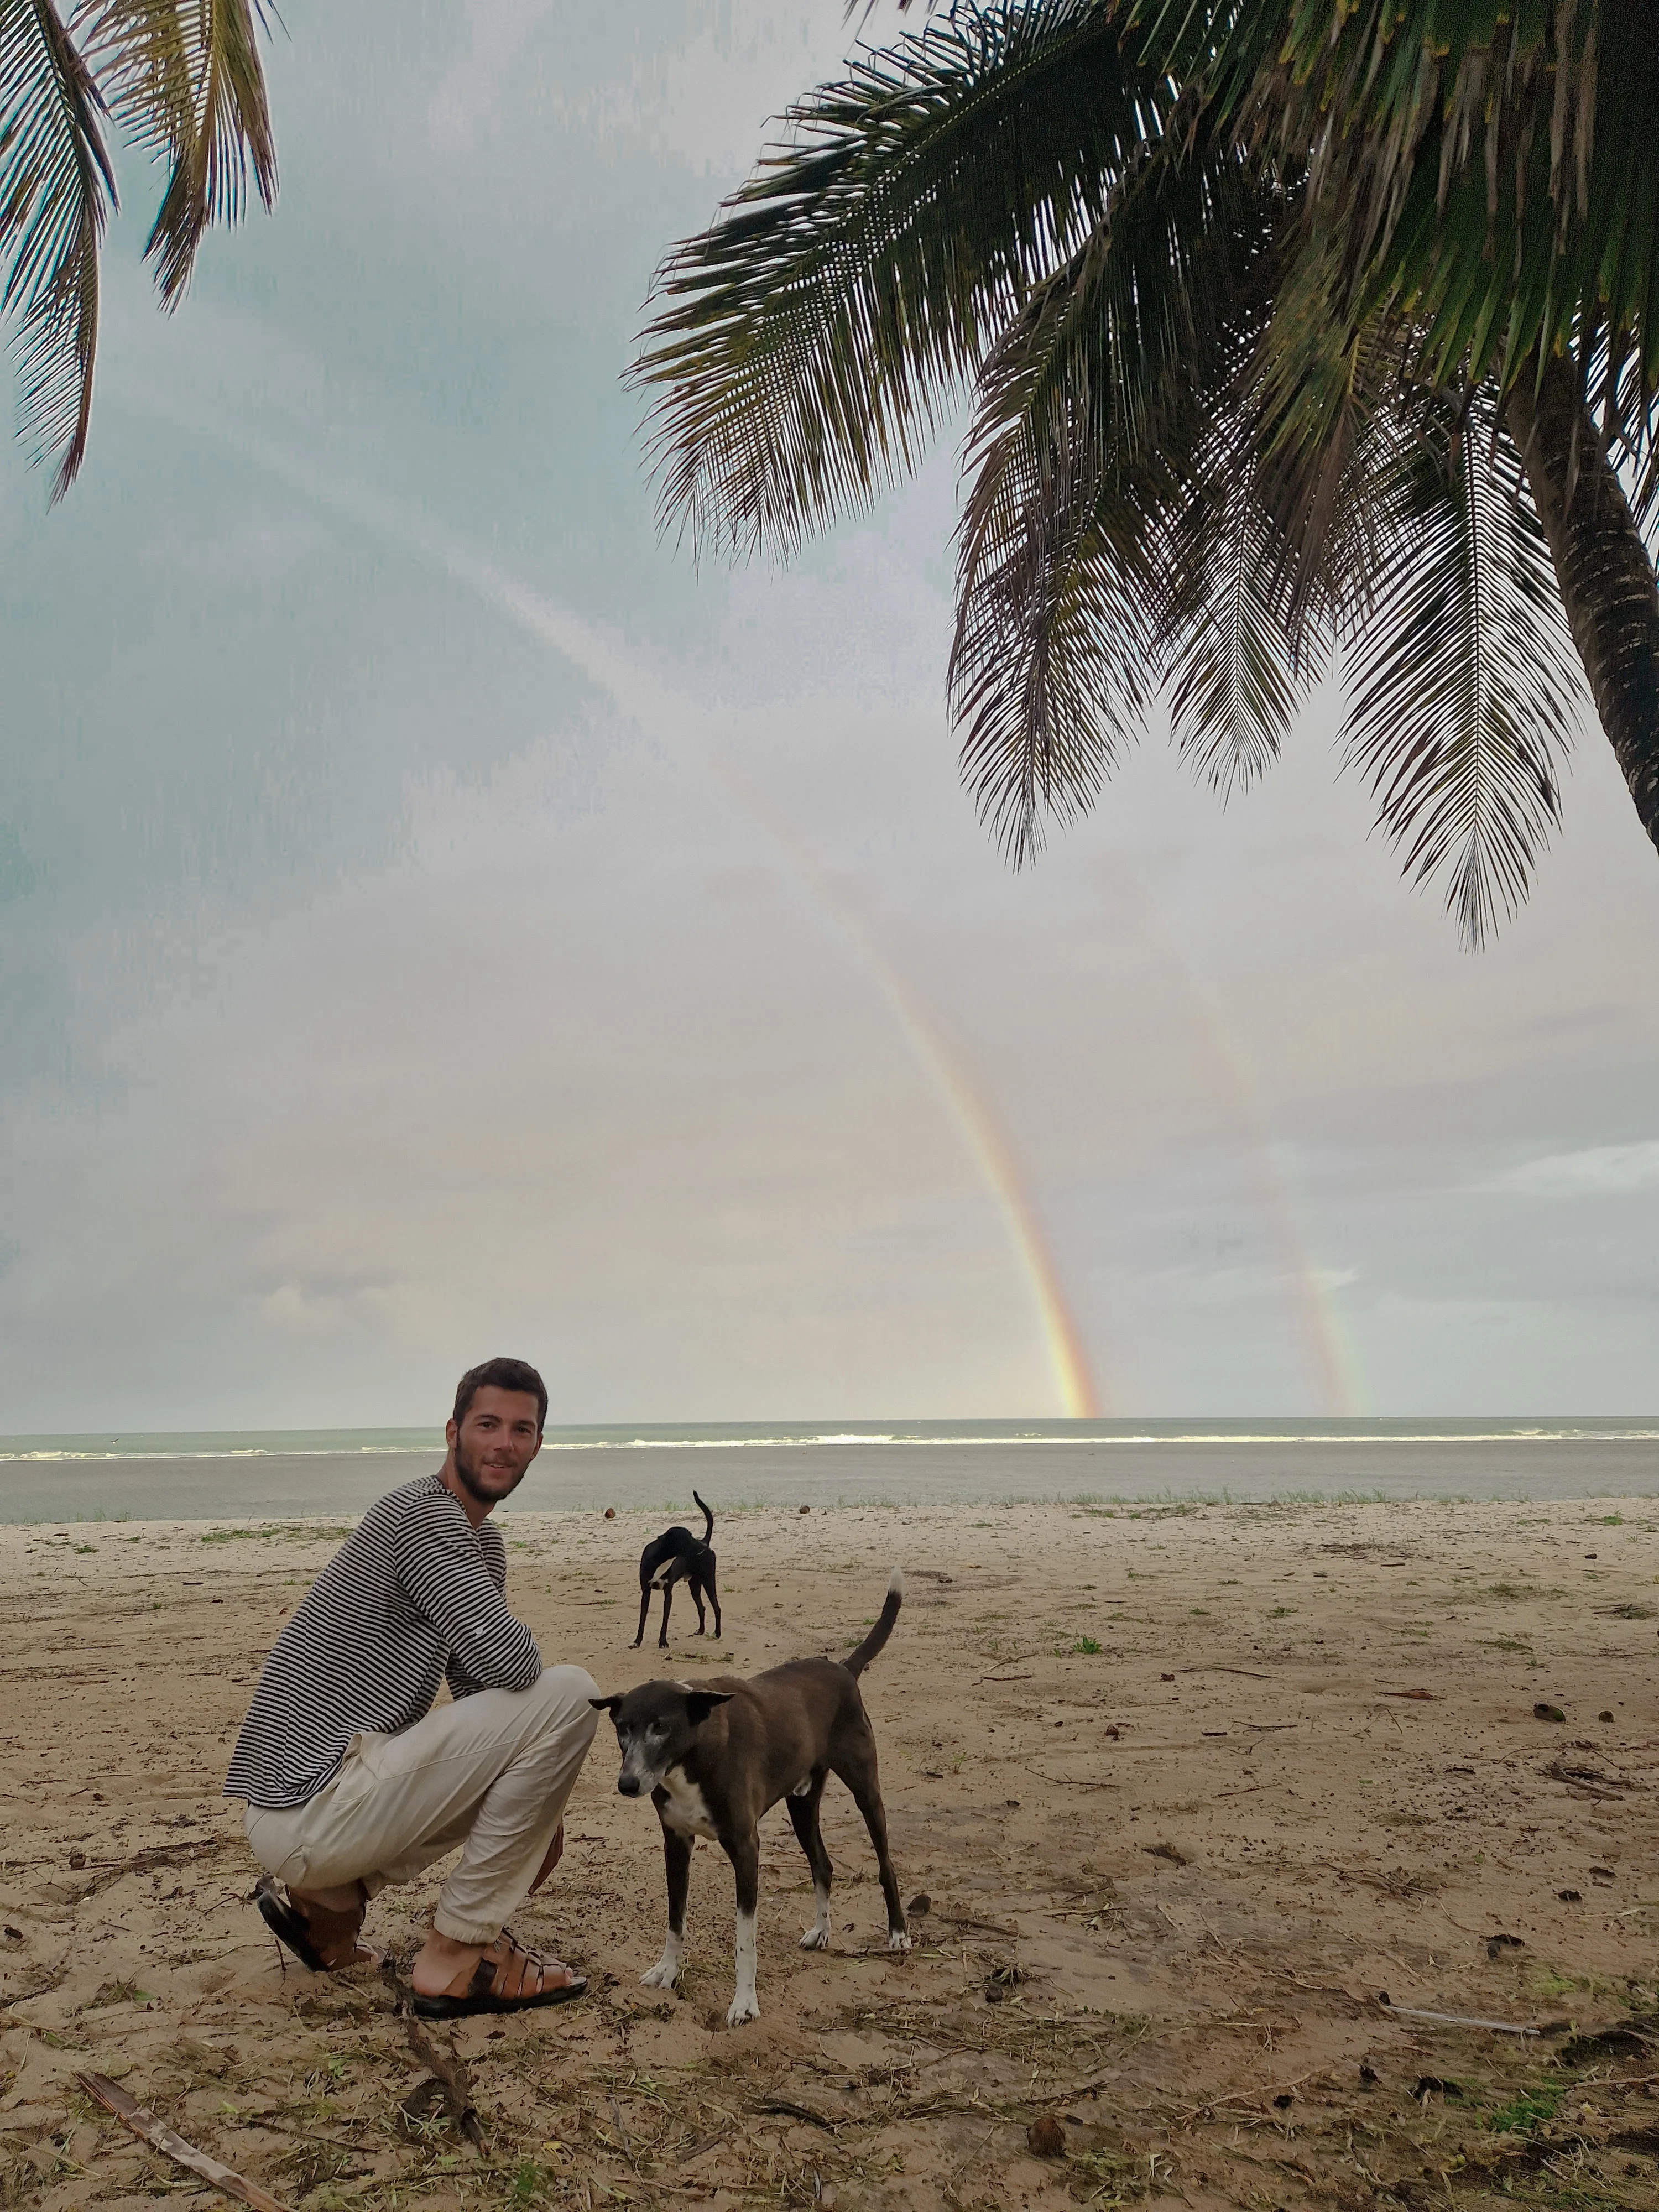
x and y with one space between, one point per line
1608 583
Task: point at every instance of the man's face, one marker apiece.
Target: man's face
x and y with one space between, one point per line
494 1441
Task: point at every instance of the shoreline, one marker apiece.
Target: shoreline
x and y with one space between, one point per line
938 1475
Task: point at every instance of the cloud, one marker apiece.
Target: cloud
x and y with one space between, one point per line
1598 1172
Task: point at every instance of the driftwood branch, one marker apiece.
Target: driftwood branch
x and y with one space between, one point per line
450 2074
150 1860
145 2125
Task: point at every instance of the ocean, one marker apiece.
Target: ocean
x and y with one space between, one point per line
214 1475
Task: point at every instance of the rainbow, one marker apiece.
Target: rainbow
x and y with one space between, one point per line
981 1136
1331 1370
654 707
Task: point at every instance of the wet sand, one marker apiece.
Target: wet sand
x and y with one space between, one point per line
1168 1877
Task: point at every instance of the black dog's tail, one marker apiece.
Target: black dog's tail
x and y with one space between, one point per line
708 1518
856 1662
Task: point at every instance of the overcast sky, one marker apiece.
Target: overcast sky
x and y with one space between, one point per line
436 919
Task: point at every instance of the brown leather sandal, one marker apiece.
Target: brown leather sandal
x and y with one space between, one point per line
483 1995
292 1929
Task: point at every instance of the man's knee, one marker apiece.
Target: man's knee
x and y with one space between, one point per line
566 1695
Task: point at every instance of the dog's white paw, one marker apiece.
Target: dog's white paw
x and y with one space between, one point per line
898 1940
740 2009
816 1939
663 1975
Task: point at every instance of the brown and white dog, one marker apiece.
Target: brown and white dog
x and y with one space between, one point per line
714 1760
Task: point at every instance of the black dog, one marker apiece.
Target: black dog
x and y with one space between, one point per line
678 1556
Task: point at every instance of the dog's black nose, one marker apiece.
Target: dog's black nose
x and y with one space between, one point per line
629 1785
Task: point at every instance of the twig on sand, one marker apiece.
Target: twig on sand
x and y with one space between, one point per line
986 1927
707 2143
948 2188
791 2111
147 1861
1004 1677
622 2126
1251 1673
1455 2019
1315 1989
1243 2099
450 2076
145 2125
1084 1781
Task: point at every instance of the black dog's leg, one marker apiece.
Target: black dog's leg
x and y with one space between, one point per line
645 1607
855 1761
804 1816
677 1860
667 1600
712 1594
743 1851
695 1585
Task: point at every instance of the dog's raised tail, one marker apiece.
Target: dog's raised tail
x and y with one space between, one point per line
707 1517
856 1662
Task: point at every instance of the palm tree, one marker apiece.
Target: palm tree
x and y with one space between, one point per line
1262 364
181 78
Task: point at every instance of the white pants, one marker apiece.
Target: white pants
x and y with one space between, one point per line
491 1773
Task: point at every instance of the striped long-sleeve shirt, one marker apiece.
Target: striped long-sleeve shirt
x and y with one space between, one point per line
415 1594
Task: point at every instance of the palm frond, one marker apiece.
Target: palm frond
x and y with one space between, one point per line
1052 661
1093 410
1236 667
56 191
1493 169
1328 396
185 77
1463 675
805 344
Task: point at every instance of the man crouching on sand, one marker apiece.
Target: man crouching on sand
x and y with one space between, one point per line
353 1780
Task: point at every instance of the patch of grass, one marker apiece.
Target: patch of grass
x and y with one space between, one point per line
1531 2110
530 2182
1279 1612
1504 1644
1550 1982
111 1993
1084 1647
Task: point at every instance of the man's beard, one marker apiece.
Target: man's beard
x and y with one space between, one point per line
471 1482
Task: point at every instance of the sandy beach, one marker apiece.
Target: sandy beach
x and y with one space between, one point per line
1187 1789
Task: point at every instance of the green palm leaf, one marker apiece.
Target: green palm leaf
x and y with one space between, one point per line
56 191
1464 685
808 341
1236 667
1493 168
184 76
1256 296
1094 410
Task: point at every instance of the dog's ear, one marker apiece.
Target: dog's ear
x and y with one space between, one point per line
606 1705
700 1703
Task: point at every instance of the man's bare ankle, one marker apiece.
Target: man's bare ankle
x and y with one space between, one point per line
441 1961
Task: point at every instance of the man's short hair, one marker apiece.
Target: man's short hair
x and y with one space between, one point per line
502 1375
